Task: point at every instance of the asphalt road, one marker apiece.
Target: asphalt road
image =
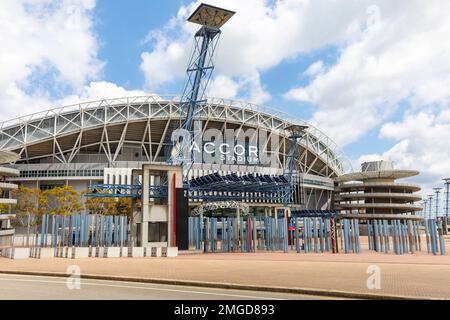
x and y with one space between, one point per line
17 287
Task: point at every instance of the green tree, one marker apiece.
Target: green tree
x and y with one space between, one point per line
61 201
27 209
101 206
123 207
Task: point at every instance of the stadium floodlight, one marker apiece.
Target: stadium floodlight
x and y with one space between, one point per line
297 128
211 16
199 72
437 191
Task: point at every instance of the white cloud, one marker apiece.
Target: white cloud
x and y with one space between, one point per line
248 87
223 87
48 48
402 56
422 142
99 91
315 69
260 36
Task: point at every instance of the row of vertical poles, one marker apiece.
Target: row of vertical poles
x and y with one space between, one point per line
83 231
313 235
404 235
435 236
317 235
225 234
269 234
350 235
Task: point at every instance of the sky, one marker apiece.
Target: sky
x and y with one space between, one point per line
373 75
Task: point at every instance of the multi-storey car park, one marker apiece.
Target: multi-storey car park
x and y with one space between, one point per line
6 229
375 192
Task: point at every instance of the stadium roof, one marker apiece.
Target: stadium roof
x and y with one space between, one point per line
384 174
8 157
60 132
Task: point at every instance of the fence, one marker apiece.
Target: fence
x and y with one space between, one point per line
313 235
82 231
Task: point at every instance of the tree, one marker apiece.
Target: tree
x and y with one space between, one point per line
109 206
4 208
113 206
61 201
123 207
27 208
101 206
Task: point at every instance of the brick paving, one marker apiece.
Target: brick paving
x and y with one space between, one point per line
418 275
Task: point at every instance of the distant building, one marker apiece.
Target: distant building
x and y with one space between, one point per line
375 191
6 230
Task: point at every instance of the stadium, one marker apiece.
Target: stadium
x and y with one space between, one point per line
101 142
189 155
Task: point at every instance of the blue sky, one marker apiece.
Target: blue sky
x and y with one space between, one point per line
123 26
372 74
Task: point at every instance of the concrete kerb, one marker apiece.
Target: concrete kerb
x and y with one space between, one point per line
229 286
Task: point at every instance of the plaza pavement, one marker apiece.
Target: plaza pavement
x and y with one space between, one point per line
411 276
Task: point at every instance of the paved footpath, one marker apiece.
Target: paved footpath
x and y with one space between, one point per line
413 276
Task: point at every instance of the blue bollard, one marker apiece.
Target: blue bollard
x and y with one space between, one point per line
297 236
376 235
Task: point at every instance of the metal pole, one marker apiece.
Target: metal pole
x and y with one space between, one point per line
430 201
437 192
427 234
447 202
425 206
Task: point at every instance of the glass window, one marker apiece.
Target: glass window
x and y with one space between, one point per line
157 231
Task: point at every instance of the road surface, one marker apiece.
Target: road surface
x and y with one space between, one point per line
18 287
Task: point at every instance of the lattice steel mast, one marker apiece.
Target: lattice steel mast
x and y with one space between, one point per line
437 192
296 132
199 73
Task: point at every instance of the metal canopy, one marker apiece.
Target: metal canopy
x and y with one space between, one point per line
214 206
233 183
213 187
8 157
315 214
211 16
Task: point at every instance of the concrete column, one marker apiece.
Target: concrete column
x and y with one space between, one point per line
145 206
144 234
175 180
275 215
237 229
170 208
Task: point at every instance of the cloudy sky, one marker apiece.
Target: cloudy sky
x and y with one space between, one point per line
373 75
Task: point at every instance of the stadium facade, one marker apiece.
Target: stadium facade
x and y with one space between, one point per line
6 229
103 141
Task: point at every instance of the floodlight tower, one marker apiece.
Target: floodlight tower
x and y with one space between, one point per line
437 191
424 210
296 133
199 71
447 196
430 201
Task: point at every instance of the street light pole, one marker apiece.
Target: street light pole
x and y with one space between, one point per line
424 208
437 192
430 201
447 202
447 196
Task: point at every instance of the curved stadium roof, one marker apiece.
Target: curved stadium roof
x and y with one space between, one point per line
60 132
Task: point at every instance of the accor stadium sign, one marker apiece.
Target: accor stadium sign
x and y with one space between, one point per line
213 146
